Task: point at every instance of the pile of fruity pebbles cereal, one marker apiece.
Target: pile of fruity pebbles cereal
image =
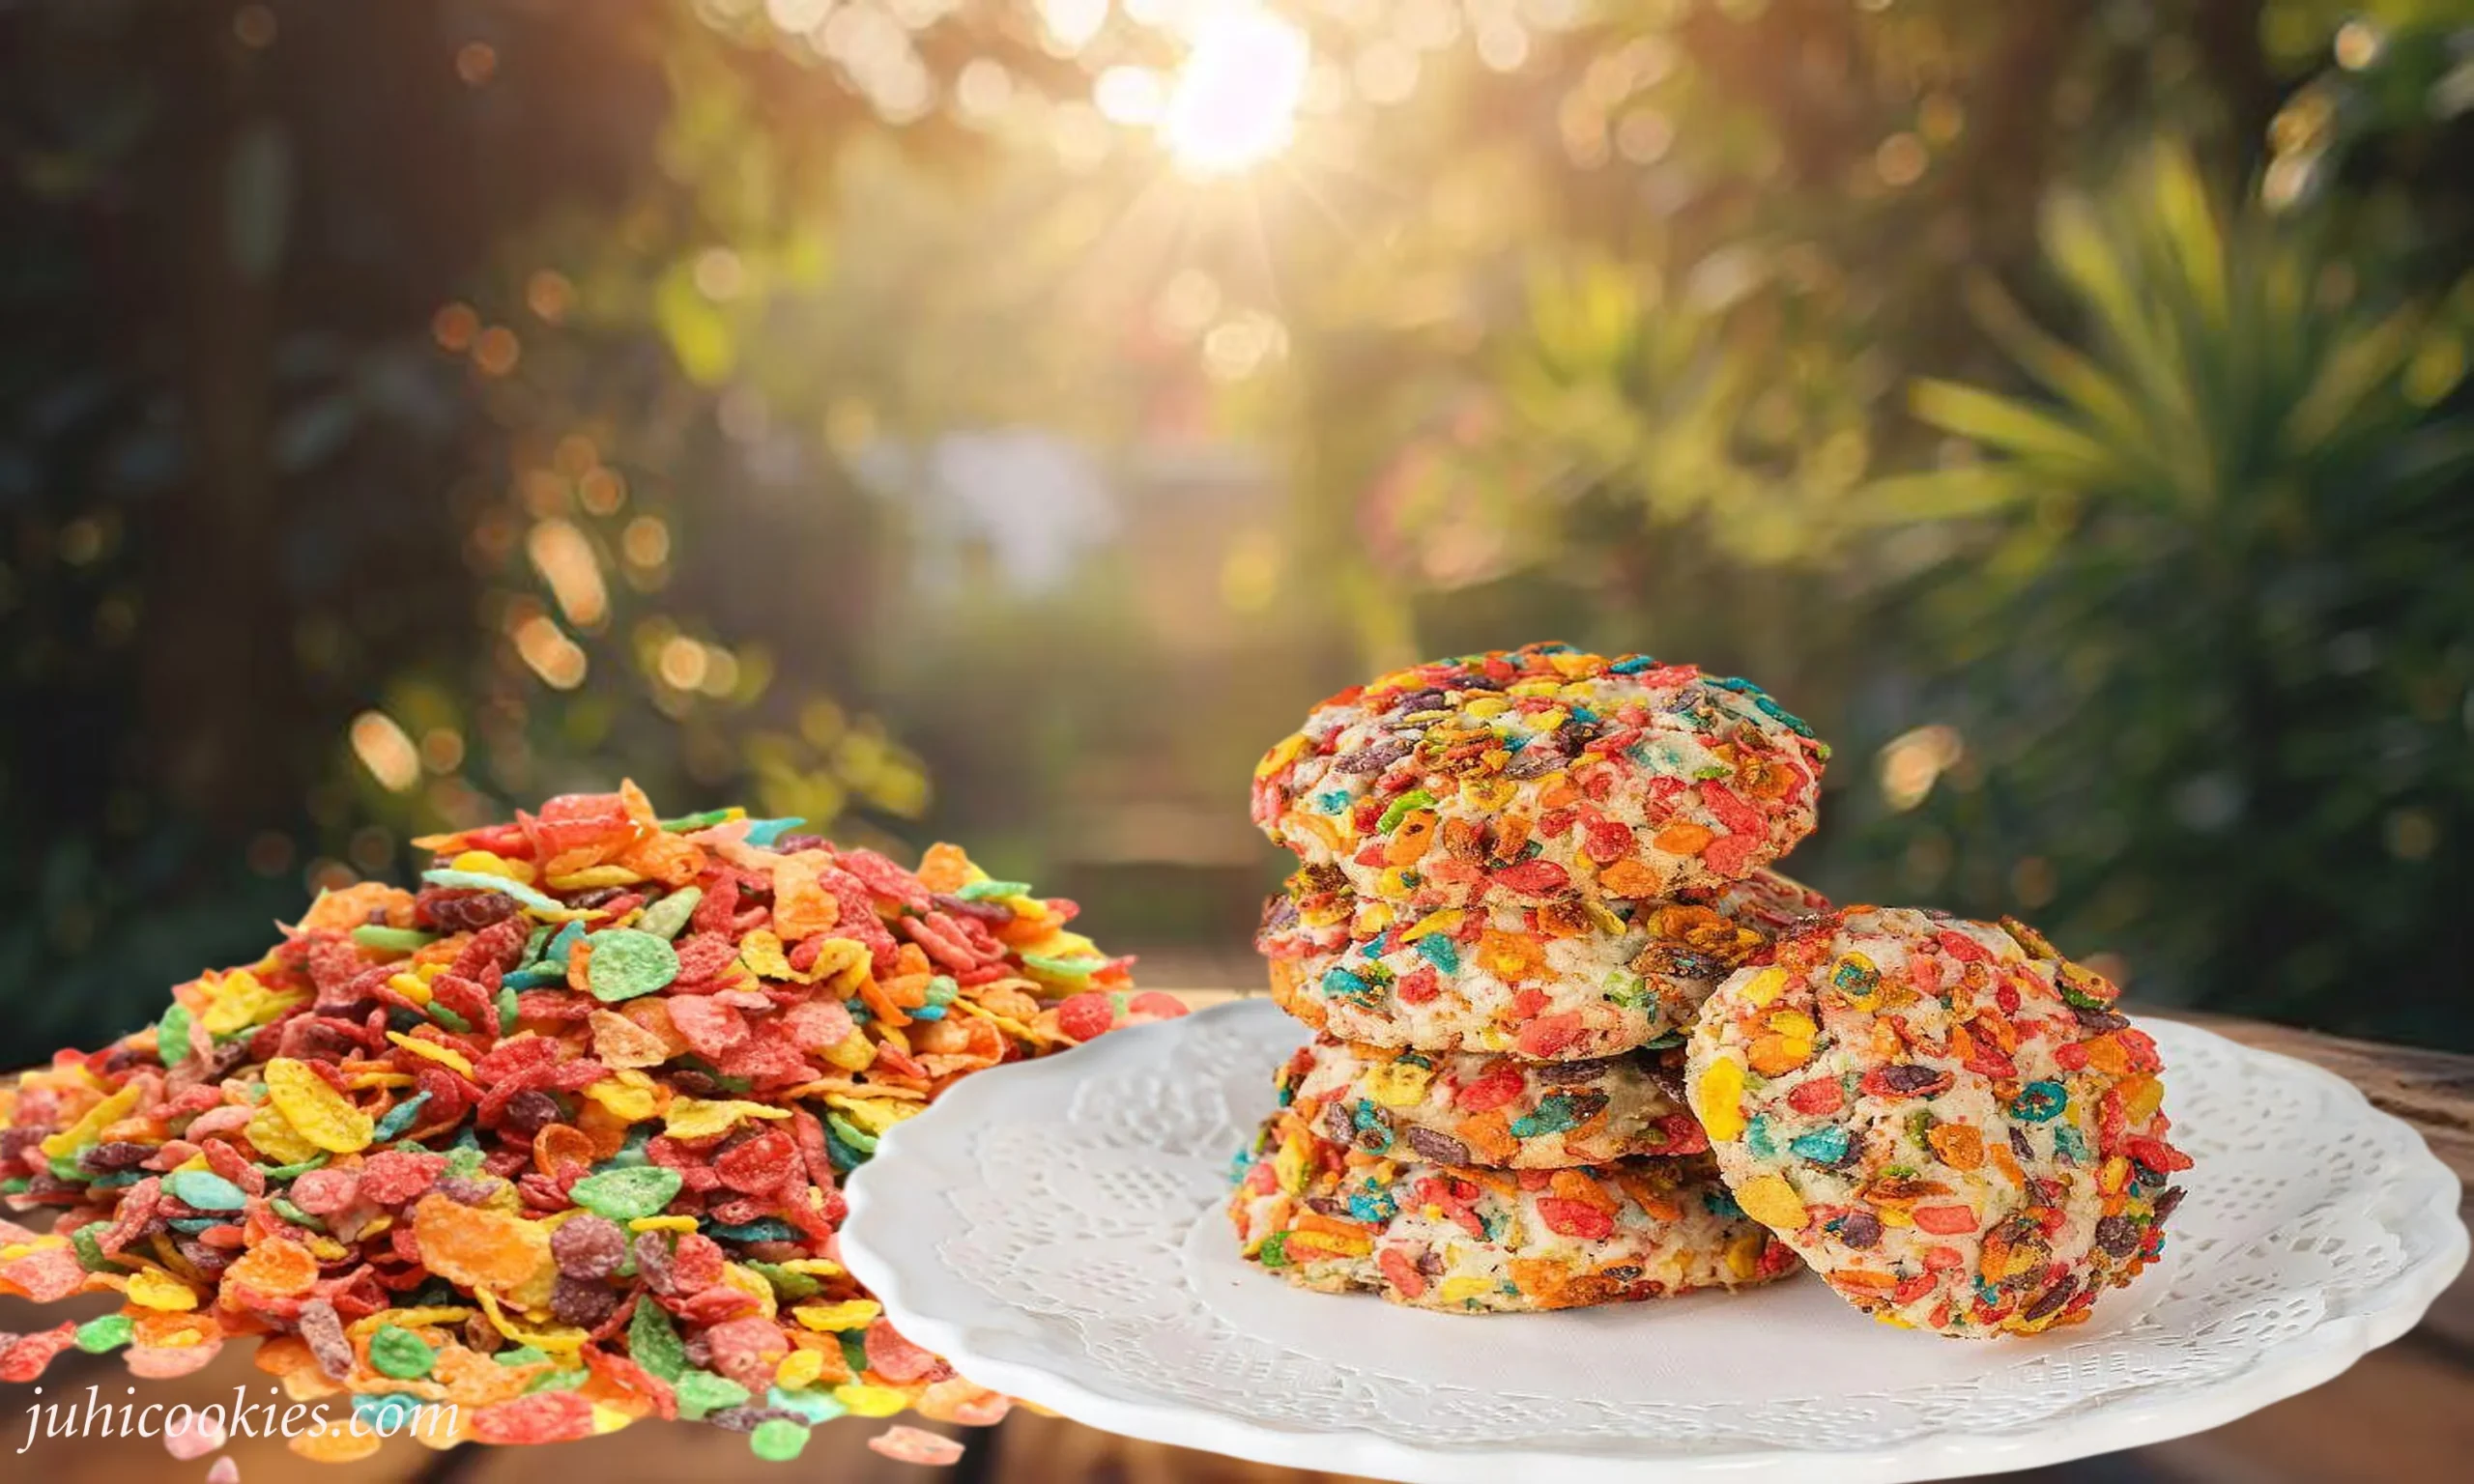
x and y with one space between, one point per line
555 1138
1579 1044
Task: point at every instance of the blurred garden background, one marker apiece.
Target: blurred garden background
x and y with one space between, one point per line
998 421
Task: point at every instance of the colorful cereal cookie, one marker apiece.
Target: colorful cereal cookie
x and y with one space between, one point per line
1533 774
1563 981
1947 1119
1476 1240
1499 1111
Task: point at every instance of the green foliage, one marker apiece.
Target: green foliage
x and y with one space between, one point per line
2208 645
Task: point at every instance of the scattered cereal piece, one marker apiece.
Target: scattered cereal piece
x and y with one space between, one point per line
912 1445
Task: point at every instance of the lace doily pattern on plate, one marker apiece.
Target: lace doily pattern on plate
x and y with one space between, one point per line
1055 1230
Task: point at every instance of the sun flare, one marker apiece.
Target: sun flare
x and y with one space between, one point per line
1234 102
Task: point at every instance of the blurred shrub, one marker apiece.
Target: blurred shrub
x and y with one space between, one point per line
2210 643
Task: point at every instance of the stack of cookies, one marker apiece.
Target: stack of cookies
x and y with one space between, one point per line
1578 1044
1524 871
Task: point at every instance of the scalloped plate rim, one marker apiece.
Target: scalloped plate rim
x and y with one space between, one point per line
2284 1371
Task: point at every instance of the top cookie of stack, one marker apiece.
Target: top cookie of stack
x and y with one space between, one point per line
1525 776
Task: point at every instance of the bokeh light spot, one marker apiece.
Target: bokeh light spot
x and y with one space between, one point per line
1235 101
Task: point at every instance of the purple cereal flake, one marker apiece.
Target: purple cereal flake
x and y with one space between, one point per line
589 1246
1559 1073
581 1301
1441 1148
653 1260
1909 1077
323 1333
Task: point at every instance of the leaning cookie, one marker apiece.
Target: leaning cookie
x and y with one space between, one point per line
1531 774
1478 1242
1499 1111
1947 1119
1560 982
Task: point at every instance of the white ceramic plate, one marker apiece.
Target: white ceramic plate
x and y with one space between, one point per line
1055 1229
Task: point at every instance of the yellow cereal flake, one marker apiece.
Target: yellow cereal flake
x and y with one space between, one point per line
153 1288
1772 1202
445 1056
1399 1084
629 1095
1717 1099
867 1401
87 1130
799 1368
316 1111
1464 1289
662 1224
849 1313
1764 987
699 1118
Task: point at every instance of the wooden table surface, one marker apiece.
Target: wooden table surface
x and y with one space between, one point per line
2404 1415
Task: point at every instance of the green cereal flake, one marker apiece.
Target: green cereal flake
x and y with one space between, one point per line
788 1287
90 1250
702 1391
623 1195
653 1340
1400 809
668 917
399 1353
391 940
557 1381
777 1439
294 1214
1063 968
983 890
109 1333
627 962
172 1035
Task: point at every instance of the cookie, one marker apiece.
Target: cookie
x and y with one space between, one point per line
1534 774
1557 981
1475 1241
1947 1119
1498 1111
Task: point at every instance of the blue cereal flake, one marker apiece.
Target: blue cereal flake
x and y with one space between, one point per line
1441 951
482 881
1633 664
388 1410
1755 1137
1555 1113
1374 1133
764 1229
1822 1146
2040 1103
1375 1203
205 1190
1331 801
764 832
1340 985
399 1117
